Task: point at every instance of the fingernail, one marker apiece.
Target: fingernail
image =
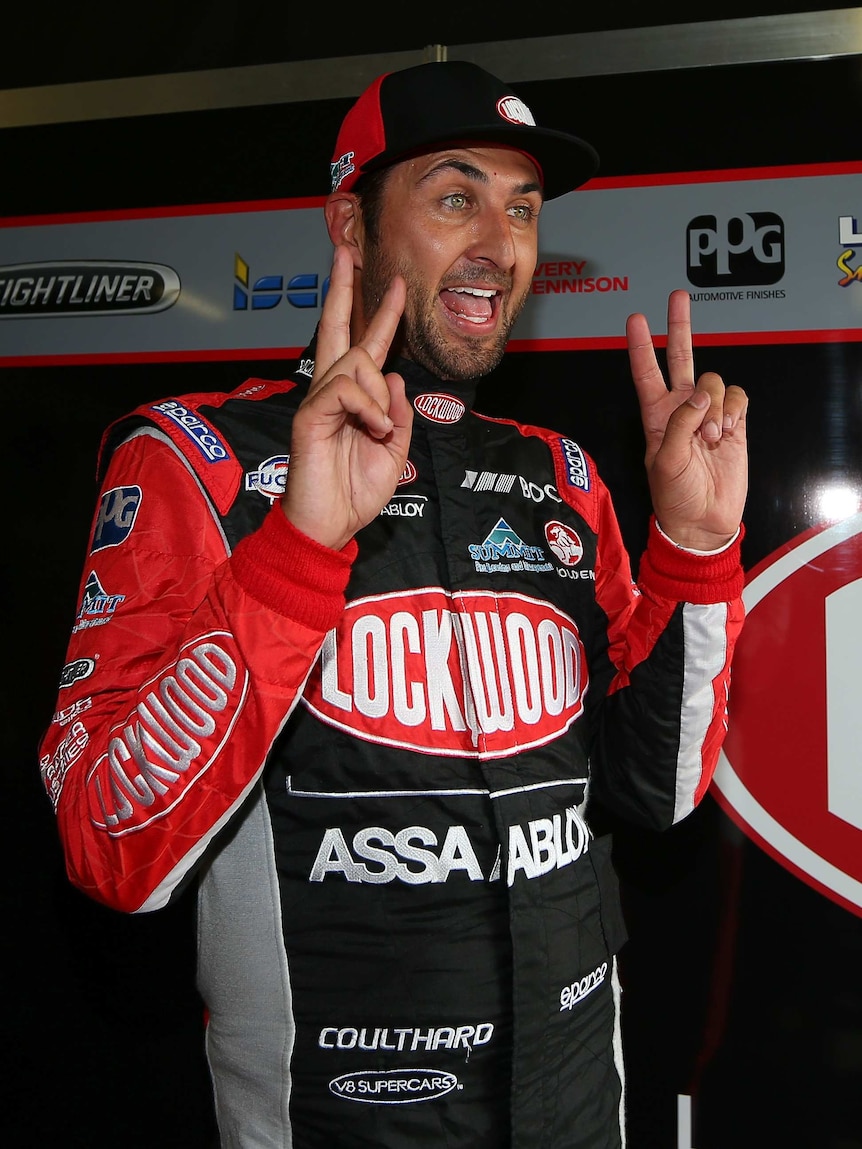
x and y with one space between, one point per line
698 400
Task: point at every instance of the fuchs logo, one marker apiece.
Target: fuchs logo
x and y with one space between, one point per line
201 434
408 474
735 251
503 550
118 509
577 471
86 287
97 607
565 543
439 408
270 478
793 786
473 673
850 238
515 111
74 671
394 1086
267 291
171 738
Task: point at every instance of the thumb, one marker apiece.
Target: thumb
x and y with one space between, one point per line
703 411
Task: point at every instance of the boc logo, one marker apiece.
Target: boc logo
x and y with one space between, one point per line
735 251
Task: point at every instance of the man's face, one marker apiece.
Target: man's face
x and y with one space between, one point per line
461 227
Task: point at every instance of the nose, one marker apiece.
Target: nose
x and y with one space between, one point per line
492 239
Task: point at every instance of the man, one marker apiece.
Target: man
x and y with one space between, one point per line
363 707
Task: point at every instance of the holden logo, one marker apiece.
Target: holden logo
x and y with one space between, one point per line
788 774
564 542
439 408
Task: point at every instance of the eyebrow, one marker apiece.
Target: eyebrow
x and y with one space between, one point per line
471 172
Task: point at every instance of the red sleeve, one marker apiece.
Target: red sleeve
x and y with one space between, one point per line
183 664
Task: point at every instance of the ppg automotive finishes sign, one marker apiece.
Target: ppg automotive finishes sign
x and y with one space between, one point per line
791 770
763 253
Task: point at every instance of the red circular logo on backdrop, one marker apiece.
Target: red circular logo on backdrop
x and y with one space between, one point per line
790 772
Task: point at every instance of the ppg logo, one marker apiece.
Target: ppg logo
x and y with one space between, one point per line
739 250
118 509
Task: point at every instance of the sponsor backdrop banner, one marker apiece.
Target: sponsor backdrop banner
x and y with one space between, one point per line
764 253
742 1011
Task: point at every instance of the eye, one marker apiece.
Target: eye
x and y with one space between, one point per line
457 200
524 212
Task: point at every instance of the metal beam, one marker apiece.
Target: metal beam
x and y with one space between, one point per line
711 43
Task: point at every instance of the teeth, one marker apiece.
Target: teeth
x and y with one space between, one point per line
473 291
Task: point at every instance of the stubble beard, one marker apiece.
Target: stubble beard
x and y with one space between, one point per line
422 339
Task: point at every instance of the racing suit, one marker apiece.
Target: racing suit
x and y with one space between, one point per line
375 763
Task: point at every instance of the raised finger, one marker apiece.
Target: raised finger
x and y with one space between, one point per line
646 373
680 358
333 335
378 335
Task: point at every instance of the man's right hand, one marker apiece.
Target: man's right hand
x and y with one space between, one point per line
351 433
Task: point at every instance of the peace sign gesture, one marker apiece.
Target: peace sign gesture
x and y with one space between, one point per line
351 433
696 453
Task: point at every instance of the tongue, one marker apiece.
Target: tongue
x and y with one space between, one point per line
475 306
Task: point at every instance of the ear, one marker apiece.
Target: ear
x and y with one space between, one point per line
344 223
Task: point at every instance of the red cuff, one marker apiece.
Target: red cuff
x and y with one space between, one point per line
292 574
676 574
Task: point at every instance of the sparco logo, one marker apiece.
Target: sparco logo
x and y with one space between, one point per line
439 408
172 737
393 1086
201 434
578 990
86 287
473 673
735 250
577 471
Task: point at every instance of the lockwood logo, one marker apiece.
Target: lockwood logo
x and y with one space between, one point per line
394 1086
86 287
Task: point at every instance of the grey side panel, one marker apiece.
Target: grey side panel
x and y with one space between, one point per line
243 977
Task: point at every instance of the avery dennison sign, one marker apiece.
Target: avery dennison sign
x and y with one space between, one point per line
764 253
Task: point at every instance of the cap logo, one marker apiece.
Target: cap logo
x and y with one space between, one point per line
515 111
340 169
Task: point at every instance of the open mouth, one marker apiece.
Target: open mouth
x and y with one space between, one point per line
474 306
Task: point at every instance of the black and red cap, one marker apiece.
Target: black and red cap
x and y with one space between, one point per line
417 109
